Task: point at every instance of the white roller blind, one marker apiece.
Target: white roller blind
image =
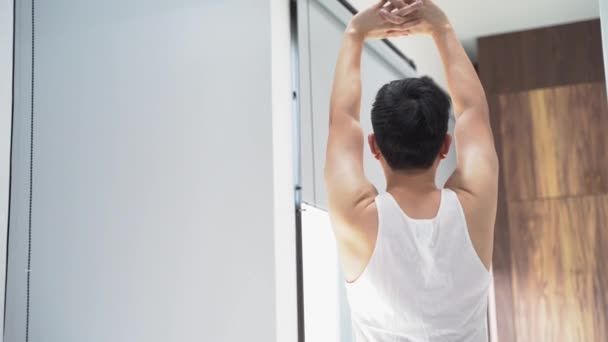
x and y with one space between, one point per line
152 194
6 99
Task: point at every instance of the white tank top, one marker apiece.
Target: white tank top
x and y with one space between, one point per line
424 280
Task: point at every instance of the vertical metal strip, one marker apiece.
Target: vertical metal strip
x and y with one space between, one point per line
29 230
295 76
312 120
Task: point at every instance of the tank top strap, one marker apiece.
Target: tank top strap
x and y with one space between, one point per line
451 212
389 211
458 235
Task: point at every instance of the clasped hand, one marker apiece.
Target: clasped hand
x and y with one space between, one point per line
392 18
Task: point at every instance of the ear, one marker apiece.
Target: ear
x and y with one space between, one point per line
443 153
373 146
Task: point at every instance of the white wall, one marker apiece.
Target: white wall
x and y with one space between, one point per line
154 173
283 143
604 19
6 96
422 50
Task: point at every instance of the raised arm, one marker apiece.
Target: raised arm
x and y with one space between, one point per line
347 187
477 169
349 192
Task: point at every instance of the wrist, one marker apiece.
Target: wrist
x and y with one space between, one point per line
442 31
354 33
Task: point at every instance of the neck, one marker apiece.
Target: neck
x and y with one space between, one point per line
412 180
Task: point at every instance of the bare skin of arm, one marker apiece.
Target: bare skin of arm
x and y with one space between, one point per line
350 195
476 177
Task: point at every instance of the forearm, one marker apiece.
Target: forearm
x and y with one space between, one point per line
464 85
346 92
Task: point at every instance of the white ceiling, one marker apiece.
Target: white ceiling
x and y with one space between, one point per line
476 18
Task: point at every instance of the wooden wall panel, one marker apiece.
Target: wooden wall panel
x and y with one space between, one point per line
501 263
561 252
556 141
551 208
540 58
601 277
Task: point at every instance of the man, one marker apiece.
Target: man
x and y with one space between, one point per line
416 258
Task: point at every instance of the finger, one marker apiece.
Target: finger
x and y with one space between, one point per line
411 8
397 3
407 18
397 33
381 3
391 18
410 24
389 7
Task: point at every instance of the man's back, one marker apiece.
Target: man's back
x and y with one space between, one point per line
412 280
423 281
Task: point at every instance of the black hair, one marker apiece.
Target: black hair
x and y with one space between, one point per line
410 120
